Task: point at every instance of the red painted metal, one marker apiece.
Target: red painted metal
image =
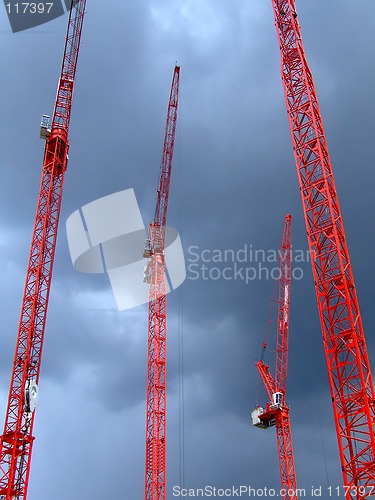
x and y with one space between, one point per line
17 439
278 414
348 365
267 378
155 471
283 307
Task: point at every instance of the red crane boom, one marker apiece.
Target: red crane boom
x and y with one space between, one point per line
155 472
17 440
277 412
349 373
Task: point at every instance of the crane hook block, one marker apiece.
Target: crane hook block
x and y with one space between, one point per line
45 130
147 252
31 395
147 275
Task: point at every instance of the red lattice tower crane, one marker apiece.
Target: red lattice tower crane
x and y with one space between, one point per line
277 412
349 373
155 472
17 439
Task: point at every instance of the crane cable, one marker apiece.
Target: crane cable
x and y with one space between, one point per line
311 370
271 314
181 391
266 335
181 374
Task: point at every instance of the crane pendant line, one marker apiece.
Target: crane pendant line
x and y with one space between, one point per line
17 439
349 373
155 467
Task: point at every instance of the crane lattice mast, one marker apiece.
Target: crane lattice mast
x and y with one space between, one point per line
277 412
17 440
349 373
155 471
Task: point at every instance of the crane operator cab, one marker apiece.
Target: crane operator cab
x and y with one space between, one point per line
31 395
45 130
147 251
277 400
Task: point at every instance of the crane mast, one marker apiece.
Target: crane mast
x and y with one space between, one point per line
17 440
277 412
155 470
349 373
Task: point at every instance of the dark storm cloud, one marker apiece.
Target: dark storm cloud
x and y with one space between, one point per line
233 182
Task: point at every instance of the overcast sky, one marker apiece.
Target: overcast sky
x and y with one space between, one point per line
233 181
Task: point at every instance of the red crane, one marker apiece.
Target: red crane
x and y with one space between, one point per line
348 365
277 412
155 473
17 440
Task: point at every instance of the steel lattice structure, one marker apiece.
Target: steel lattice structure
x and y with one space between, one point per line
277 412
17 439
155 471
350 379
